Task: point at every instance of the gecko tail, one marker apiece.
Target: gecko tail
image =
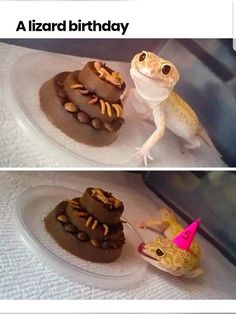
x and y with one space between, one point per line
202 133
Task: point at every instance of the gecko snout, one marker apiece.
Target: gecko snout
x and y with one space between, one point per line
141 247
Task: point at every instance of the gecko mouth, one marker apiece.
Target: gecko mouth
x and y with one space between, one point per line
147 76
154 78
141 252
141 247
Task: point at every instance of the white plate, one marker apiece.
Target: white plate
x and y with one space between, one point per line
31 209
28 74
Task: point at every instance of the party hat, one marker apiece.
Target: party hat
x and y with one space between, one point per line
184 239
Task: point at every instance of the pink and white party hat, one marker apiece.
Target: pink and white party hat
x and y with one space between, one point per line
185 238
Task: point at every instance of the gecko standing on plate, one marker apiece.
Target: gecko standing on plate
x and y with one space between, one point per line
164 254
154 79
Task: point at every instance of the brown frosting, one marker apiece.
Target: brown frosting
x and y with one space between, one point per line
81 248
82 101
85 104
115 233
52 98
102 211
106 90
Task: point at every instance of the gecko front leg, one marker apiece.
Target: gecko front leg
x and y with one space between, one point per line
144 151
159 224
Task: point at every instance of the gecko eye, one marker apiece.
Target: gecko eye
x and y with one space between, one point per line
142 57
165 70
160 252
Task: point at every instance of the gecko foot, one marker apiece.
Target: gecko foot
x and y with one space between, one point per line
142 152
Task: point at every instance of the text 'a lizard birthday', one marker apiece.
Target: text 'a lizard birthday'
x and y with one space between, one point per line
72 26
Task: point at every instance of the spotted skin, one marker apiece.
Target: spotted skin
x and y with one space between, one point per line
182 110
174 260
154 79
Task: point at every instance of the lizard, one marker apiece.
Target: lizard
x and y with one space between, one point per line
164 254
154 79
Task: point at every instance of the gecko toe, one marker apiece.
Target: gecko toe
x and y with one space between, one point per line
150 157
145 160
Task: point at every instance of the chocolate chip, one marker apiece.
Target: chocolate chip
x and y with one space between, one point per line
97 124
95 242
106 244
62 218
83 117
108 126
70 228
82 236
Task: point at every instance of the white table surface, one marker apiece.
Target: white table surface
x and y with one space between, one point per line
18 149
24 276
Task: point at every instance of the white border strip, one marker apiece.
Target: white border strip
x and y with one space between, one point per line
148 19
117 168
118 306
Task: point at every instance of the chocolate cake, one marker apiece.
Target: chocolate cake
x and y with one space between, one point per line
85 104
89 227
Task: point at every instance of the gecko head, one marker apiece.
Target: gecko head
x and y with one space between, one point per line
150 71
165 255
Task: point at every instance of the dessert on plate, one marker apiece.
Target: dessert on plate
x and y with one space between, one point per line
89 227
85 104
